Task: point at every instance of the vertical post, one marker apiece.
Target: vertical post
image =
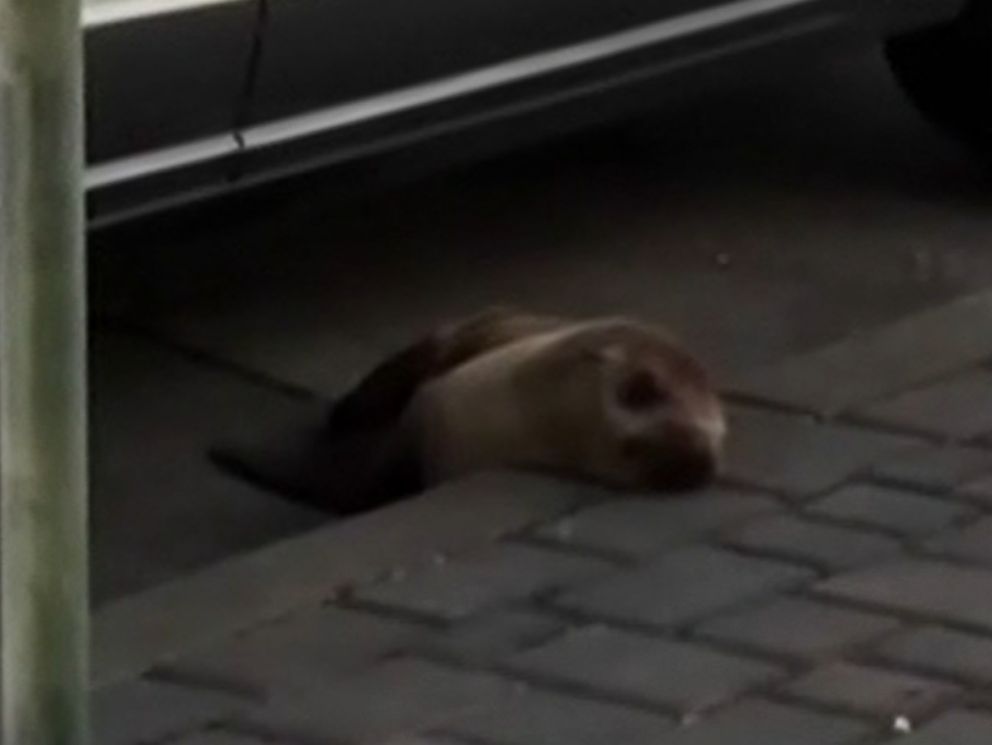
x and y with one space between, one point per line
43 459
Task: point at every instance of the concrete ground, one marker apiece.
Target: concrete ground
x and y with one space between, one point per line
759 220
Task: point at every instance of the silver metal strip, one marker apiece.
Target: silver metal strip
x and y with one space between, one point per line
159 161
338 117
513 71
98 13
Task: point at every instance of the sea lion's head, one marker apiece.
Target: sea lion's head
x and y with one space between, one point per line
665 415
650 411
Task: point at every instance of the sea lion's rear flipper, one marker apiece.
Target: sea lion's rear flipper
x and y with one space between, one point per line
360 455
301 463
379 399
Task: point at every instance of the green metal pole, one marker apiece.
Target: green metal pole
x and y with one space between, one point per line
43 458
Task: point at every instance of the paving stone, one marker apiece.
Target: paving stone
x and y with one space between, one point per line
492 636
799 455
643 526
953 728
684 586
936 468
462 587
394 698
238 594
870 691
140 711
536 717
929 588
217 737
829 547
936 650
294 654
766 723
979 490
798 628
907 514
959 407
864 368
643 668
973 542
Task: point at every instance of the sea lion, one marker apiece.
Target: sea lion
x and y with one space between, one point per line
615 401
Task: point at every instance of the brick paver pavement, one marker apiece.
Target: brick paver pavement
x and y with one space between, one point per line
836 590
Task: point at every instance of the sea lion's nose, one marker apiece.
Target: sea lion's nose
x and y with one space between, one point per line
691 460
690 470
695 455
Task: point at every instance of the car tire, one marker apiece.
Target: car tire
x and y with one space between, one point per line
947 73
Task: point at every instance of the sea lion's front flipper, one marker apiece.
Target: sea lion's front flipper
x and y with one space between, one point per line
380 398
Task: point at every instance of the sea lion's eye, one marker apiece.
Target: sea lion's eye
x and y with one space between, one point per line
640 390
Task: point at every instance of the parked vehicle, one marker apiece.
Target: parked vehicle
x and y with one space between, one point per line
192 98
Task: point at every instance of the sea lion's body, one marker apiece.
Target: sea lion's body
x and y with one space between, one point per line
613 400
506 389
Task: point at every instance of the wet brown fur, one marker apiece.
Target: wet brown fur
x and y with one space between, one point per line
555 368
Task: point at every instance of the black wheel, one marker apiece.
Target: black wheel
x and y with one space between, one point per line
947 73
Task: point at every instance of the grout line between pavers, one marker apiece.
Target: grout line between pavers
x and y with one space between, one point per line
780 495
555 684
276 735
853 524
424 619
451 737
591 692
783 556
923 436
901 614
956 560
873 658
222 729
205 682
983 706
800 664
755 401
687 631
199 356
793 499
877 719
633 560
950 494
616 558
